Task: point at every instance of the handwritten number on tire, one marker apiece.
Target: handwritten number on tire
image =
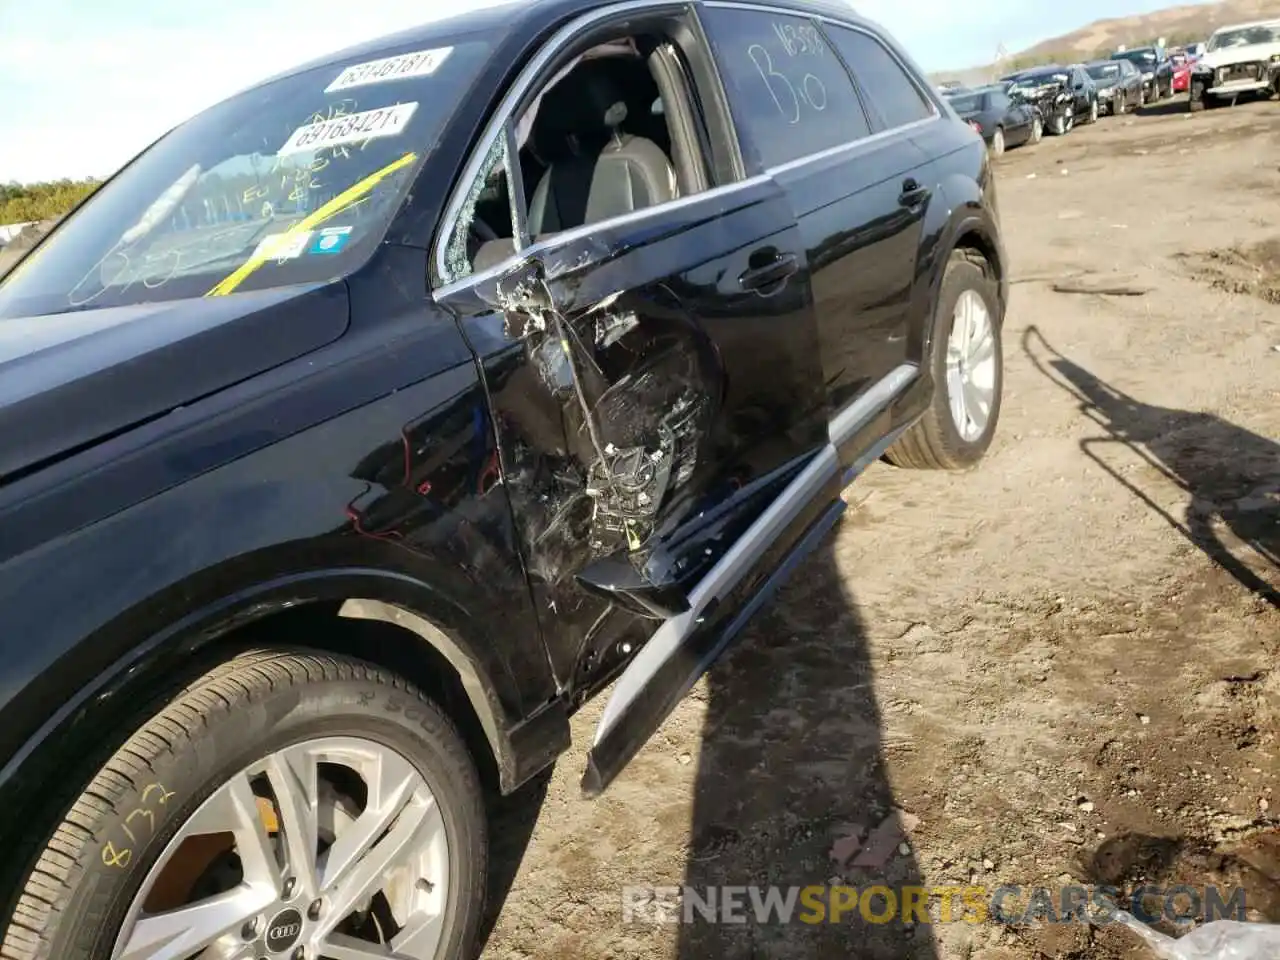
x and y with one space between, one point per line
138 826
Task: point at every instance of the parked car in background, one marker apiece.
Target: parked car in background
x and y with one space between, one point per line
318 526
1002 121
1156 69
1120 87
1240 60
1196 50
1064 95
1182 73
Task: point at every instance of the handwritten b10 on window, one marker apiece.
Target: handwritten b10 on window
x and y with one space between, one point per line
791 85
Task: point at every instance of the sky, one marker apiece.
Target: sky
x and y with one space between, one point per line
86 84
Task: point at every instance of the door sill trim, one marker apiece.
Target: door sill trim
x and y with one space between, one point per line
859 412
668 641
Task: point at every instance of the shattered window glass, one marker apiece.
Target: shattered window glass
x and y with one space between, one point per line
483 232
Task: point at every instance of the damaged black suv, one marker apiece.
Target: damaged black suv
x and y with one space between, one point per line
368 423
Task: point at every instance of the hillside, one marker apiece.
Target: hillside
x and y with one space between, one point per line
1182 23
1178 24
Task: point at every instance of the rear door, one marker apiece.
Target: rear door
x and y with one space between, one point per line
847 170
1017 118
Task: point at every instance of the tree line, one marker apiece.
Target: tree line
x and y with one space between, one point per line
21 202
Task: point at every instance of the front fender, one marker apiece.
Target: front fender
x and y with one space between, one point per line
96 615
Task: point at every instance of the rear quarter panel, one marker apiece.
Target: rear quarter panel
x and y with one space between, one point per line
963 209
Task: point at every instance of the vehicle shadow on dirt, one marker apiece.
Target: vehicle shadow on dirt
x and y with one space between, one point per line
791 771
1233 881
1231 475
1165 108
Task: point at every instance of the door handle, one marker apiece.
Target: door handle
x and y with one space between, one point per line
913 194
767 275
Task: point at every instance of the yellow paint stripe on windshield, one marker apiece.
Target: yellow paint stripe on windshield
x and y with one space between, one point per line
331 209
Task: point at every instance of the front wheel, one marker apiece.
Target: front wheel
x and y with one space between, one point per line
997 142
1093 112
1037 129
288 804
966 364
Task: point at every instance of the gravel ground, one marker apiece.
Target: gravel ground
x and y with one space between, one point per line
1060 668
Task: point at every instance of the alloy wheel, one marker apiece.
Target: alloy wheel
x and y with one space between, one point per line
971 366
332 848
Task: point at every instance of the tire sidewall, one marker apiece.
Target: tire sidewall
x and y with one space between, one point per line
962 276
105 887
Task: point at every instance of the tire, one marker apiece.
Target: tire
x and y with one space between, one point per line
1120 105
1093 112
997 142
79 894
934 442
1037 129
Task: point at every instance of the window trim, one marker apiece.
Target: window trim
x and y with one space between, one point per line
501 119
821 17
853 82
504 115
935 113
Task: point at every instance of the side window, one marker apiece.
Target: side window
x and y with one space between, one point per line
790 95
483 233
1000 102
889 89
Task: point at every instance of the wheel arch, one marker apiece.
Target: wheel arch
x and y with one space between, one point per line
972 225
388 619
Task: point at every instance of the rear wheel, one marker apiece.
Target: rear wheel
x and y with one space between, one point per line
1037 129
966 361
286 805
997 142
1093 112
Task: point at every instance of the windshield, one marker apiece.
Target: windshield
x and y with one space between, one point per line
1244 36
294 181
1104 71
968 103
1035 81
1143 57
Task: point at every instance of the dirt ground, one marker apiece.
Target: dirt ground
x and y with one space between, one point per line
1061 667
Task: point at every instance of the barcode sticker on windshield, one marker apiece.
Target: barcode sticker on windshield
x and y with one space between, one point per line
420 64
282 246
353 128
